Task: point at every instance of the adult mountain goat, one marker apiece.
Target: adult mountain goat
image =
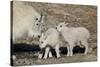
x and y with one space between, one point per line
73 35
26 21
50 38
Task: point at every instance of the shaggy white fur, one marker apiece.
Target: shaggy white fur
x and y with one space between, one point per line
25 21
50 37
74 35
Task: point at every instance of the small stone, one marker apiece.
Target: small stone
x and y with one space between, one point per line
14 57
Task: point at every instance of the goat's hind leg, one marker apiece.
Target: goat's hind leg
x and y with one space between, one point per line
85 43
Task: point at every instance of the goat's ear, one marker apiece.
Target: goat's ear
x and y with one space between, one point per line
64 22
67 24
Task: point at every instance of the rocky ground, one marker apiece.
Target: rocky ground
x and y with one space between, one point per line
76 15
31 58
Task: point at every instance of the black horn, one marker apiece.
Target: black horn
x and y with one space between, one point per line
40 17
43 13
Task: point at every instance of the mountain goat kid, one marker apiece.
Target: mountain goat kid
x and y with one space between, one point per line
50 38
74 36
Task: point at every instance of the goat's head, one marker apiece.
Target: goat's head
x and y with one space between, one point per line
42 41
61 26
38 25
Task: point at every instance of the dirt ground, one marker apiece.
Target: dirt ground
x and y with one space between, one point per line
76 15
31 58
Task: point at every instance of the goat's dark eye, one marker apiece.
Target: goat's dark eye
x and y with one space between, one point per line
37 24
41 41
36 18
60 25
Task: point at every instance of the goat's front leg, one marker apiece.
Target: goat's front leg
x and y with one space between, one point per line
41 54
50 54
71 48
46 52
68 50
57 51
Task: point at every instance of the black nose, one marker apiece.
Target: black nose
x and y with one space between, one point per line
37 24
56 27
38 36
33 35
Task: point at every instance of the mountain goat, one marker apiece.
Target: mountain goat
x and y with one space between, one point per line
72 35
50 38
26 21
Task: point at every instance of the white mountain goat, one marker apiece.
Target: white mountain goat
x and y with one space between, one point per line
74 35
26 21
49 38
